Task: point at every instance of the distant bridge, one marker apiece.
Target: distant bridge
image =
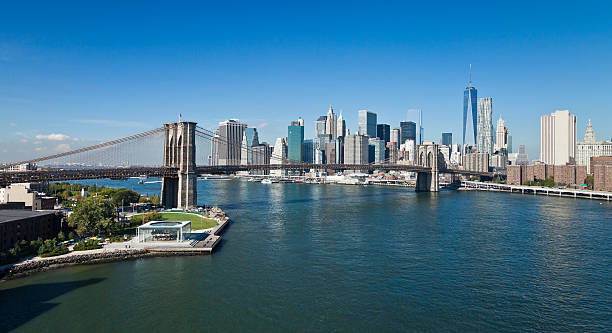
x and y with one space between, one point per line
179 169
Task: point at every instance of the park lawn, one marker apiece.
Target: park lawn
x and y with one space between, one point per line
197 221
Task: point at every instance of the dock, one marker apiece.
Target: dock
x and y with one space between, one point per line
537 190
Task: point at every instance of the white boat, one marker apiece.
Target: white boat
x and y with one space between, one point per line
266 181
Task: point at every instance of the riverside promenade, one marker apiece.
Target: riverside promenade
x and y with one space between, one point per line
129 250
536 190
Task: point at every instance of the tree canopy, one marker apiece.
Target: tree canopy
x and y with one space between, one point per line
92 216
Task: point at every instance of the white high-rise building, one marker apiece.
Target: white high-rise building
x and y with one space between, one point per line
395 136
484 142
279 155
230 142
408 151
213 159
590 147
340 127
331 126
558 138
501 136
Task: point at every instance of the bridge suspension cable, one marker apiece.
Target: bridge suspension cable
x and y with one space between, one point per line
109 155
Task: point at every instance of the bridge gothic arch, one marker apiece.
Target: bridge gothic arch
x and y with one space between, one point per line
179 152
179 157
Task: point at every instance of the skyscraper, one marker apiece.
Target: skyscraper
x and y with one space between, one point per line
396 136
484 144
309 152
367 123
230 142
320 125
383 132
356 149
407 131
261 156
447 139
295 141
590 147
501 136
522 156
331 126
558 138
510 150
279 154
470 108
341 127
377 148
421 129
250 139
213 159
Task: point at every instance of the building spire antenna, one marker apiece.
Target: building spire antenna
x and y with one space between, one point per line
470 85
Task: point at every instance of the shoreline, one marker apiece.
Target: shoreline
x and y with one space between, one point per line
37 264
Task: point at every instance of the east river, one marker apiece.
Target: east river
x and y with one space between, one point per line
301 257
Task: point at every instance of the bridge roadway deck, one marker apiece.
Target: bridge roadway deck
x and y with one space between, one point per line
50 175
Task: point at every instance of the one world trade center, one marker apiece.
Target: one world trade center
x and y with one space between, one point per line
470 107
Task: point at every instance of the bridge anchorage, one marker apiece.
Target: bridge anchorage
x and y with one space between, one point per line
180 152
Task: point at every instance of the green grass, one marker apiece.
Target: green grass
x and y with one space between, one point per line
197 221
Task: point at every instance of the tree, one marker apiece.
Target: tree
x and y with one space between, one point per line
92 215
589 180
124 196
152 216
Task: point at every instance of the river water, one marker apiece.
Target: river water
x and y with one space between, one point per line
301 257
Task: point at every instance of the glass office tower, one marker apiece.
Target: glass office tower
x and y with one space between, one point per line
407 131
383 132
295 142
367 123
447 139
470 108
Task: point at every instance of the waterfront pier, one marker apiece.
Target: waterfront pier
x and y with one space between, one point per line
536 190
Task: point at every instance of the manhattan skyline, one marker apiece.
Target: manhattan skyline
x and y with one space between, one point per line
70 77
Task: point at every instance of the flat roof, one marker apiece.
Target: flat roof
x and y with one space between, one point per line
164 225
8 215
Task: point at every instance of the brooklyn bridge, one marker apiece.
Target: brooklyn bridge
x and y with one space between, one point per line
172 152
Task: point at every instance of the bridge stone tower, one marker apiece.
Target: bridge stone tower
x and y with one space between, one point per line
427 156
180 152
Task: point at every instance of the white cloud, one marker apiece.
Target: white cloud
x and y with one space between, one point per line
262 125
37 142
53 137
23 140
38 149
62 147
12 124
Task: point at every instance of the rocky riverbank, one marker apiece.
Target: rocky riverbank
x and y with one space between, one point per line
91 257
111 254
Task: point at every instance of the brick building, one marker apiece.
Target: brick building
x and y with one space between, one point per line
565 174
514 175
17 225
602 173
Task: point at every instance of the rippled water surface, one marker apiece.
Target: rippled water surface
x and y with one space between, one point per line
301 257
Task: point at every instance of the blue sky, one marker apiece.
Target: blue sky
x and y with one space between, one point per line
87 73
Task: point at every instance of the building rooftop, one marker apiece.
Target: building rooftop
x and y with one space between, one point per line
8 215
